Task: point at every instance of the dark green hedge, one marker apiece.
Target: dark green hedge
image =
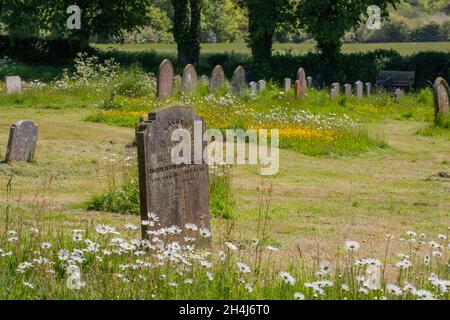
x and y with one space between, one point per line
347 69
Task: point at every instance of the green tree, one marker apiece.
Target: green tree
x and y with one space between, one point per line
328 20
98 17
186 29
263 18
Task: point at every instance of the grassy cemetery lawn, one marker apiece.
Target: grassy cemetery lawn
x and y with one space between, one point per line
362 182
403 48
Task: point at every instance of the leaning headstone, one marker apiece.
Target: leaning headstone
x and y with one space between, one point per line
253 87
238 81
287 84
21 142
310 81
165 79
368 89
359 89
441 92
335 90
303 85
189 81
348 90
217 79
262 85
174 189
13 84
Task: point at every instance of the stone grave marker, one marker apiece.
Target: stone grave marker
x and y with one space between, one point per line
335 90
303 85
359 89
238 81
176 192
189 81
368 89
287 84
348 89
319 81
13 84
398 94
253 87
204 80
262 85
22 142
165 79
310 81
177 84
441 92
217 79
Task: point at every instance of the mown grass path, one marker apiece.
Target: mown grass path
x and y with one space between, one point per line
318 202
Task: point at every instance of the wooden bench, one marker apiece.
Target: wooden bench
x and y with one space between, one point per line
396 79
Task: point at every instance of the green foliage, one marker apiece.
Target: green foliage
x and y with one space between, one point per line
329 20
222 201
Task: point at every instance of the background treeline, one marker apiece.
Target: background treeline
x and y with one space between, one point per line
225 21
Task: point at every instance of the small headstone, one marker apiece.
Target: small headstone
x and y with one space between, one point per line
303 85
359 89
310 81
204 80
238 81
368 89
335 90
177 193
262 85
189 81
165 79
348 90
398 94
21 142
441 92
13 84
177 84
253 87
287 84
217 79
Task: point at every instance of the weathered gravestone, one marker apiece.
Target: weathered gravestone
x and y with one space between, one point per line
441 92
253 87
13 84
204 81
335 90
21 142
238 81
217 79
368 89
303 85
262 85
319 81
359 89
310 81
177 84
287 84
165 79
176 192
398 94
348 89
189 81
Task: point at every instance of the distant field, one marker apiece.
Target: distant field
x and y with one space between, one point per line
403 48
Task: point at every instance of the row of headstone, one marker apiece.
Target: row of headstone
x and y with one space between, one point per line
257 87
188 82
335 89
21 142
